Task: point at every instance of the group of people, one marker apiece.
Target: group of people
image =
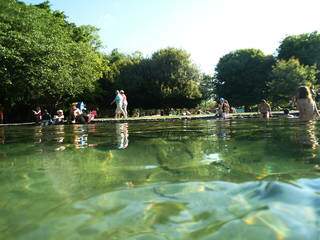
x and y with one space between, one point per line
303 100
78 114
224 109
121 104
45 118
306 106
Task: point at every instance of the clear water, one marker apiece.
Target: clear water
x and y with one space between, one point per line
238 179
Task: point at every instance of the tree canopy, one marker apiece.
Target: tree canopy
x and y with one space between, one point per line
45 59
305 47
49 61
167 79
287 76
242 76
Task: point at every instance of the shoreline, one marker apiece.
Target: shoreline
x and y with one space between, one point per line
165 118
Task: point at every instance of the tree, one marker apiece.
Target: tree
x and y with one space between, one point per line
242 76
207 87
174 80
45 60
305 47
122 72
287 76
167 79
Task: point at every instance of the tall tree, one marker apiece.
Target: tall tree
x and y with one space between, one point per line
208 87
45 59
242 76
175 79
167 79
305 47
287 76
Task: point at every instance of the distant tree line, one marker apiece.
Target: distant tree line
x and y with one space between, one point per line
246 76
48 61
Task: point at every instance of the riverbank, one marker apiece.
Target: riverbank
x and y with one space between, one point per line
157 118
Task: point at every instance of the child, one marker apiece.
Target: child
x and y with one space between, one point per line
92 115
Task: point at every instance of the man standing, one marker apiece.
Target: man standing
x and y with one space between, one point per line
119 101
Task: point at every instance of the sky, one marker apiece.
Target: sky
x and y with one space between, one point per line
207 29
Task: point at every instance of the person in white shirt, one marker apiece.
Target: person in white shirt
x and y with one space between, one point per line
119 101
124 103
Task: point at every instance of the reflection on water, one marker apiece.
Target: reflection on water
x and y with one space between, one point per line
180 180
308 139
38 133
80 136
122 135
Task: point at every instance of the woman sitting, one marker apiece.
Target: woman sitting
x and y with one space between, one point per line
76 115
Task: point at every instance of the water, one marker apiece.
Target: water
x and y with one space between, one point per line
238 179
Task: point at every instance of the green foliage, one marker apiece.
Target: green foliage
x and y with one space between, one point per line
45 60
208 105
122 72
287 76
207 87
177 78
242 76
305 47
167 79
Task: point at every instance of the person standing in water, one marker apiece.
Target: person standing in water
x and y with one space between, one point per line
119 101
306 106
223 108
264 109
124 103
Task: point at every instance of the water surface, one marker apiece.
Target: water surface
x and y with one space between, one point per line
206 179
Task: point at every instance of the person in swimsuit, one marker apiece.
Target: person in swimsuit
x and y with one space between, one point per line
306 106
223 108
264 109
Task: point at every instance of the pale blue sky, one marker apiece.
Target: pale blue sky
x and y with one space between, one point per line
207 29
